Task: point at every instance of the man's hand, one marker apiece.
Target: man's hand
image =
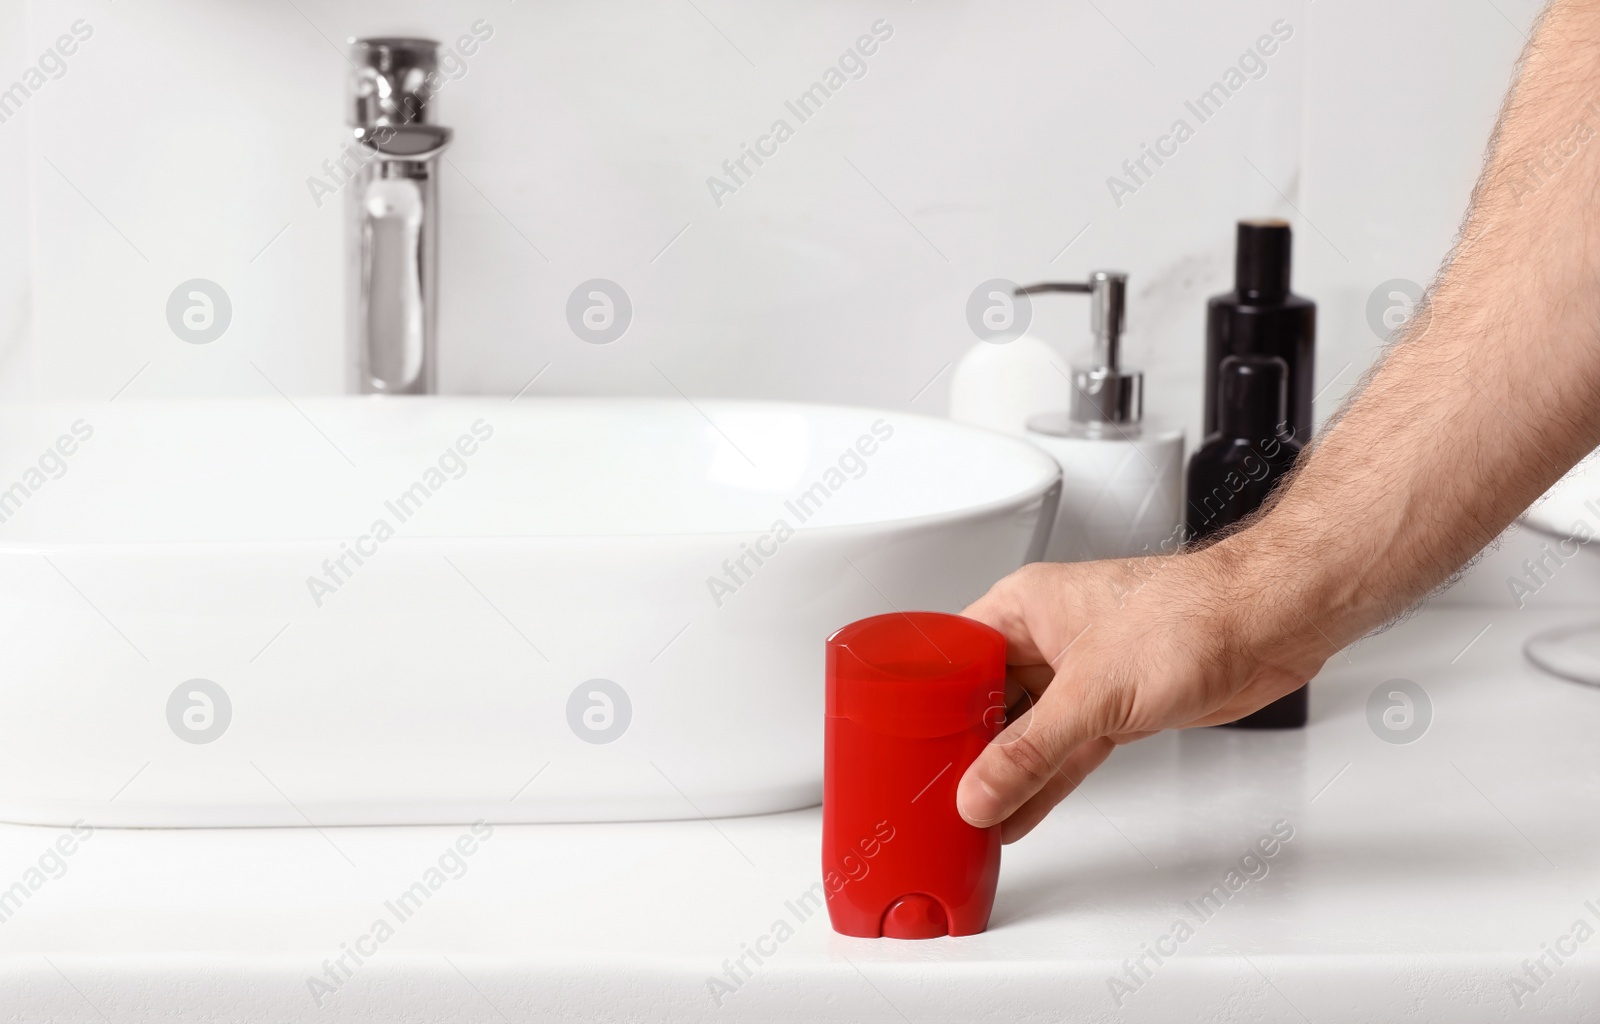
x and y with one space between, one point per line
1102 653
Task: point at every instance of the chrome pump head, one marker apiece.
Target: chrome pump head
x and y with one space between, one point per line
1104 394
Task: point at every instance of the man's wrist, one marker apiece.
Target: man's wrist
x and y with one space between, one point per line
1288 589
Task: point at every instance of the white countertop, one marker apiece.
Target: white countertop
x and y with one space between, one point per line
1418 879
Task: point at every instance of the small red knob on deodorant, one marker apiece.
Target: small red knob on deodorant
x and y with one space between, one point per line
913 698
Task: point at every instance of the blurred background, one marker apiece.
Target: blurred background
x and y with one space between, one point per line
188 139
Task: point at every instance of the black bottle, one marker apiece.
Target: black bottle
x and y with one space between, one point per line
1232 474
1262 317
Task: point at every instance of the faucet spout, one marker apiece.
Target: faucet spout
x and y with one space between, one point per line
392 237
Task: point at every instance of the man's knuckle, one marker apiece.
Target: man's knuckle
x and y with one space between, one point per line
1029 757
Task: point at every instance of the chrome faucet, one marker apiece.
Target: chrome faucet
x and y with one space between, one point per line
393 234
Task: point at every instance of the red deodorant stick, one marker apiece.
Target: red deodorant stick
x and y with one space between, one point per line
913 698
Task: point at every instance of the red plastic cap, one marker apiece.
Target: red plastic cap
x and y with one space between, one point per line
917 673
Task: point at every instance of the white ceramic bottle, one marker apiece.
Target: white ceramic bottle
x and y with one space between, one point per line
1122 478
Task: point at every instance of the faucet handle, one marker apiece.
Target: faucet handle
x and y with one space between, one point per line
413 142
389 81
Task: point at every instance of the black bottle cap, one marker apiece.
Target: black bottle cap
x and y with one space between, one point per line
1261 260
1253 397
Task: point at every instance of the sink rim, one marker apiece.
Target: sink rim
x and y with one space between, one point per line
1046 477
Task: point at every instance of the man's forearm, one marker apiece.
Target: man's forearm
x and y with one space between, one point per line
1490 396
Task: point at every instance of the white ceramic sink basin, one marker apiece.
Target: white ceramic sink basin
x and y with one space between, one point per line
363 611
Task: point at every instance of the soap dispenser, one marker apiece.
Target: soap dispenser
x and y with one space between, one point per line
1122 478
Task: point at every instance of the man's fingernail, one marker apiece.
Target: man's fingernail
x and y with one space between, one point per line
977 802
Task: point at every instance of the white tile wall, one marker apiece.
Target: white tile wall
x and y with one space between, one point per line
15 375
977 144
